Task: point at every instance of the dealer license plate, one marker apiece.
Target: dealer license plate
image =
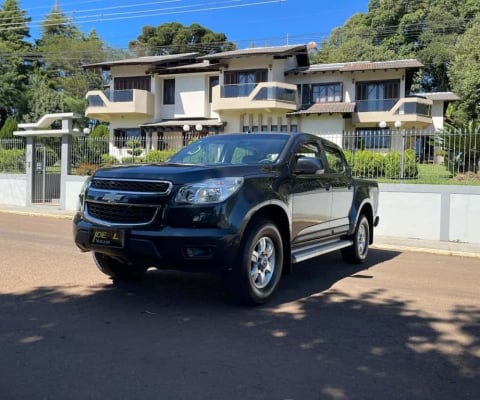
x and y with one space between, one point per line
107 237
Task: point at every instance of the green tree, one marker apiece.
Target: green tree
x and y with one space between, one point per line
394 29
13 58
174 38
352 42
464 73
63 73
42 99
8 128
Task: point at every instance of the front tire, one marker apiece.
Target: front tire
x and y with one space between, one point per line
117 269
255 276
357 253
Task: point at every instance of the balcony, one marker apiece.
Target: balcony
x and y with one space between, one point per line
408 110
255 96
106 105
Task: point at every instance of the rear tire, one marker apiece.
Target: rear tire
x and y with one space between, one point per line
254 278
117 269
357 253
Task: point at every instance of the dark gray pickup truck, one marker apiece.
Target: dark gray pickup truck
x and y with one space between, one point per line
247 206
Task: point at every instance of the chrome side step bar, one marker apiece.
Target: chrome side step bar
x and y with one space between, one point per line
306 252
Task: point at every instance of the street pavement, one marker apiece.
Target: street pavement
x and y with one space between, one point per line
380 242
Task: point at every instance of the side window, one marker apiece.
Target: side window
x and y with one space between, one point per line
308 149
335 160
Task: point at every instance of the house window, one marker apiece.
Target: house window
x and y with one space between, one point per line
377 95
127 137
320 93
169 91
119 137
326 93
241 83
214 81
132 82
373 138
304 94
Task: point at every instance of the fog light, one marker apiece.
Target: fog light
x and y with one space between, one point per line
198 252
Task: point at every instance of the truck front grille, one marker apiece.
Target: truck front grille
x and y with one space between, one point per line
138 186
124 214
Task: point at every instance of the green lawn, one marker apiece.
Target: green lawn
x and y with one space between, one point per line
434 174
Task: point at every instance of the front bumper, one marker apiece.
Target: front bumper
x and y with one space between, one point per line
190 249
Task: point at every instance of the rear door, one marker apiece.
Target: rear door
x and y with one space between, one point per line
341 187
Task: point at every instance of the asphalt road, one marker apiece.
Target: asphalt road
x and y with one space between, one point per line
403 326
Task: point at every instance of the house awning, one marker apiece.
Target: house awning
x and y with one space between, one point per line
172 123
327 108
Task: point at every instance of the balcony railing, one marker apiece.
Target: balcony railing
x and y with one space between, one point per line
240 90
407 110
276 93
415 108
263 95
375 105
409 105
105 104
114 97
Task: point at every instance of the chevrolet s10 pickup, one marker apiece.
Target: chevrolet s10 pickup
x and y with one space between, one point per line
247 206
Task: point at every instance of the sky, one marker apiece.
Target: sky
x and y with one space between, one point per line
245 22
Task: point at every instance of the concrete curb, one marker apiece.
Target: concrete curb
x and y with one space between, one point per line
419 249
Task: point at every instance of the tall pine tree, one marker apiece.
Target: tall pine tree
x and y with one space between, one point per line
14 66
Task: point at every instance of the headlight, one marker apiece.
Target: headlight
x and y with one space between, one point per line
208 191
81 195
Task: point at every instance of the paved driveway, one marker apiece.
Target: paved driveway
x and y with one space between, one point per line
404 326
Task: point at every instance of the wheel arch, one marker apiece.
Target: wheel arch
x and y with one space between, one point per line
367 210
279 216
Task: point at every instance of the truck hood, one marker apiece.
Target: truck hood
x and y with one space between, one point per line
178 174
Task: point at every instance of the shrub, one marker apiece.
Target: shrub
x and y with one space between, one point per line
391 165
12 160
132 160
134 147
158 156
349 157
86 169
107 159
100 131
367 164
410 164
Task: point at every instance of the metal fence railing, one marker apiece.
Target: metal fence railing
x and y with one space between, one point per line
12 156
380 154
413 156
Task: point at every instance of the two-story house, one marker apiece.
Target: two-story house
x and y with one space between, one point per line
163 99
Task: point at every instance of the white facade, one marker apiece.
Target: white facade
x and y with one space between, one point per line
263 89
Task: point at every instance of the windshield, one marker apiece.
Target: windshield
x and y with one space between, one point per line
230 149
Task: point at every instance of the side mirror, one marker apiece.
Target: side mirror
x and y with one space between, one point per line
309 165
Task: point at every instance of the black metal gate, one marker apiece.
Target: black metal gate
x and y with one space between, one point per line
47 171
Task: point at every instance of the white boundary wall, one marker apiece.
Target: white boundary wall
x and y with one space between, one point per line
13 189
433 212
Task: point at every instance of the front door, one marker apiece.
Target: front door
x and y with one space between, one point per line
312 198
